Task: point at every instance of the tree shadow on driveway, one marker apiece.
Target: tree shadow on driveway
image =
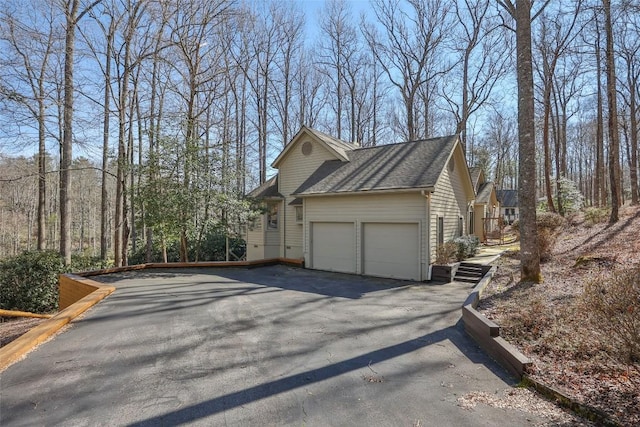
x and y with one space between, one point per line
454 334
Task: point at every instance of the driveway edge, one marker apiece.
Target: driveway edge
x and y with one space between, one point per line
77 294
17 348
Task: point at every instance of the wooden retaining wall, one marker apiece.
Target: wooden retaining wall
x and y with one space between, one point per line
487 334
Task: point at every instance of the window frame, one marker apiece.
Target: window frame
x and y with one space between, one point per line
273 210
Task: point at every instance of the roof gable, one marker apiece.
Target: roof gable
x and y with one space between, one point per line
477 177
407 165
337 147
486 194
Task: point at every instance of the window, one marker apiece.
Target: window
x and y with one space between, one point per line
471 224
460 226
272 216
299 214
440 230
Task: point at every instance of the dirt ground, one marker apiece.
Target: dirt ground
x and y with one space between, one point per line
11 328
550 323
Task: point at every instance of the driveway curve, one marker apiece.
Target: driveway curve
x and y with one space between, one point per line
265 346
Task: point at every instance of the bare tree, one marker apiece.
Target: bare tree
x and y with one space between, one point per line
629 53
73 12
33 40
614 142
481 67
529 250
291 24
555 36
410 51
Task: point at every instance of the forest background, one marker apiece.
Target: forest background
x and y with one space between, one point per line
131 130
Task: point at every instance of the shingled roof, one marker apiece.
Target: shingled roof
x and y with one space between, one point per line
267 190
407 165
484 193
508 198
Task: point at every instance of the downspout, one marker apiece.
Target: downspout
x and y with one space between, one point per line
284 227
427 197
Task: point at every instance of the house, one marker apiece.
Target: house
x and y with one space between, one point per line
484 216
509 205
379 211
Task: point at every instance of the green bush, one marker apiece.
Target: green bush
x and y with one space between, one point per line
88 263
211 248
614 309
466 246
29 282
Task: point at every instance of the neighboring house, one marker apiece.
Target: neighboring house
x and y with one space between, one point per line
379 211
484 216
509 205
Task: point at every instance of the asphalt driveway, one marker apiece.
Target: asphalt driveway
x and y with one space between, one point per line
265 346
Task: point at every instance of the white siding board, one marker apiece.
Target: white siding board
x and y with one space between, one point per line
448 201
294 170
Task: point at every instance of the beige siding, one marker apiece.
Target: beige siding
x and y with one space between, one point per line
360 209
478 219
448 201
255 240
262 243
294 170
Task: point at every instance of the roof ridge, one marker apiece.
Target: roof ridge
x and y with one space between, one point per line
404 142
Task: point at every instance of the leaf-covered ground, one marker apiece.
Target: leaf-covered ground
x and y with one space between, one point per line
12 328
553 324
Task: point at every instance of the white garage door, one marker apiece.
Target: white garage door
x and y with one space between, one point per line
333 246
391 250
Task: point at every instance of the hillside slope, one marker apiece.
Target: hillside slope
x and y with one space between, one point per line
556 323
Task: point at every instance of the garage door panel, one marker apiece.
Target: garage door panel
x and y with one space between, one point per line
333 246
391 250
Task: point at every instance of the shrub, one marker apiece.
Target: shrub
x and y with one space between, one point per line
212 247
548 224
29 282
549 220
88 263
614 309
446 253
596 215
466 246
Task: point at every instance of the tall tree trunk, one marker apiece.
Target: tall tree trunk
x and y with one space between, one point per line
614 143
529 251
599 190
633 122
545 142
42 173
66 154
104 195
